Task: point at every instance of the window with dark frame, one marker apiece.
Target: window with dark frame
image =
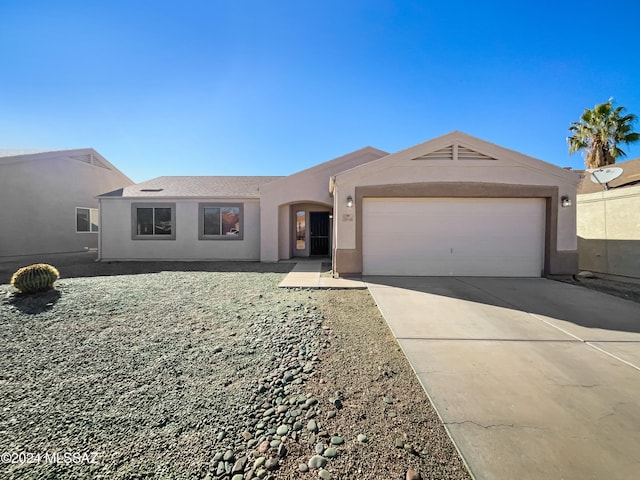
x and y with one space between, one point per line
153 222
220 221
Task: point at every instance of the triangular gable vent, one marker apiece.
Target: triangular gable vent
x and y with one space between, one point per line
445 153
82 158
90 159
454 152
468 154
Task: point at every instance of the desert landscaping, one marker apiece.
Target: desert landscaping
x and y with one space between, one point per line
211 372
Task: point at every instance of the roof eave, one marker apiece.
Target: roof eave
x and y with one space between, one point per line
168 197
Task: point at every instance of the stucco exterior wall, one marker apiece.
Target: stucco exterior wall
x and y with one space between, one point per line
39 199
609 232
491 173
116 241
308 186
284 231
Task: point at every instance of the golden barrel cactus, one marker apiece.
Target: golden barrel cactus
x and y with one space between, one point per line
34 278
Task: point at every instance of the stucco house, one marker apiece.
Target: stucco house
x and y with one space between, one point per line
608 225
454 205
49 202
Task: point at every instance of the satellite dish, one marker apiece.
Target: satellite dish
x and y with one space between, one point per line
602 176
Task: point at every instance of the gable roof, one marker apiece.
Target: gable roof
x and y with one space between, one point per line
459 146
84 155
326 170
23 151
194 186
87 156
348 160
630 176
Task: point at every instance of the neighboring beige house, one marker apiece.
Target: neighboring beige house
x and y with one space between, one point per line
455 205
49 202
609 224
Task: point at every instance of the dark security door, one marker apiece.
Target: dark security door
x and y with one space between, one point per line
319 234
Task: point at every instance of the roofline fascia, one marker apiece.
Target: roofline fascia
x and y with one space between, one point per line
459 137
324 165
31 157
239 197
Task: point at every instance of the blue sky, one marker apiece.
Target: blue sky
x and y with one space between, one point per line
257 87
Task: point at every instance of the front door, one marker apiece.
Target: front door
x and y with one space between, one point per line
319 234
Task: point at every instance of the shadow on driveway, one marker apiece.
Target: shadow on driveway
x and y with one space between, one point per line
547 298
533 378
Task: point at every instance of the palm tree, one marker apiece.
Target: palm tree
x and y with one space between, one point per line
600 131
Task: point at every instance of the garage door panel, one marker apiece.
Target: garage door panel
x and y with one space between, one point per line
457 265
453 236
403 265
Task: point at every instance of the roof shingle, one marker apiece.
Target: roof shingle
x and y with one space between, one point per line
630 176
195 186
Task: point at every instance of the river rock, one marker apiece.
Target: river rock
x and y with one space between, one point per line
413 475
271 463
239 465
330 452
324 474
317 461
312 426
282 450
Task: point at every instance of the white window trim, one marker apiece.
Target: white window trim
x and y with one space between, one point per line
202 236
97 217
134 221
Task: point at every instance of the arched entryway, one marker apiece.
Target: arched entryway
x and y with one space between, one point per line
311 230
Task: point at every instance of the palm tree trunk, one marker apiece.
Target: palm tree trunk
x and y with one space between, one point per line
599 156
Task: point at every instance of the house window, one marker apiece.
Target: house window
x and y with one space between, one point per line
86 219
301 230
220 221
153 221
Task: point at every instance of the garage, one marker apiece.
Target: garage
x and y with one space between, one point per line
455 206
494 237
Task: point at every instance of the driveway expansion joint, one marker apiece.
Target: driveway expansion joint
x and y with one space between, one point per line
493 425
574 385
523 340
622 360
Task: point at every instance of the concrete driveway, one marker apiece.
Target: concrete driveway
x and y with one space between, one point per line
534 379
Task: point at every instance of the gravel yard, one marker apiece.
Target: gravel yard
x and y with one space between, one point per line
208 374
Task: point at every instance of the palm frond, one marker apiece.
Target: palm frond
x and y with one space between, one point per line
632 137
599 131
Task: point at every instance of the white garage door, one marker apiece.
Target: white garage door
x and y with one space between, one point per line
502 237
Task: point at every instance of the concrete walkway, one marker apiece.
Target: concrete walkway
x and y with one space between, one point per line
307 274
534 379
